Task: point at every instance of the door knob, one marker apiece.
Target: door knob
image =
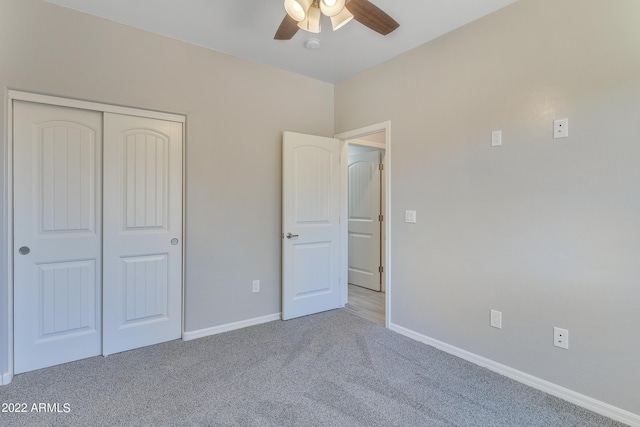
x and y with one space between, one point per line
174 241
289 235
24 250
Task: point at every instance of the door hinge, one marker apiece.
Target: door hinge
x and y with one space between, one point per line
381 269
381 167
380 217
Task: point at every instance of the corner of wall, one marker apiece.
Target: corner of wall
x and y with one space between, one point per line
6 378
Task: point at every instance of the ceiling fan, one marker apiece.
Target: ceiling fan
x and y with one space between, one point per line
307 14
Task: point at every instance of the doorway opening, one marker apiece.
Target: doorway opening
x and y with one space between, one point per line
315 206
366 229
366 236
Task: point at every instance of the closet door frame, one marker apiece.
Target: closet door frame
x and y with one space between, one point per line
14 95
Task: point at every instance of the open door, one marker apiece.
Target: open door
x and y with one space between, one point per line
365 220
310 225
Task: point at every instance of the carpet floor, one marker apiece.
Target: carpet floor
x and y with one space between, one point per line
329 369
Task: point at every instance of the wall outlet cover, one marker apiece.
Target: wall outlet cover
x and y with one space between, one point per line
561 338
496 319
561 128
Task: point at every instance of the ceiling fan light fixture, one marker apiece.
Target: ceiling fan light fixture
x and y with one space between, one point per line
312 22
307 15
297 9
340 20
331 7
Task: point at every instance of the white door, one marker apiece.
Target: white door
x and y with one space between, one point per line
364 220
57 235
143 232
310 225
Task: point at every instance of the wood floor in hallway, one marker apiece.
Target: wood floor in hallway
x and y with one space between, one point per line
366 303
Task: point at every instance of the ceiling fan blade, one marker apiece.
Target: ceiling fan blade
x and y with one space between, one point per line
370 15
287 29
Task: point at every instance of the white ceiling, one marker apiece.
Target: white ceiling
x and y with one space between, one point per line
245 29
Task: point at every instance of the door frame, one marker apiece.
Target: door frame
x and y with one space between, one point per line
16 95
344 206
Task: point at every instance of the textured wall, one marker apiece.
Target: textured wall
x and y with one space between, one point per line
546 231
236 112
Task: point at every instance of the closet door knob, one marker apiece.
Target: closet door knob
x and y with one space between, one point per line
24 250
174 241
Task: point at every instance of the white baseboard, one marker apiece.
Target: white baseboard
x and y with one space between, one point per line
200 333
6 378
576 398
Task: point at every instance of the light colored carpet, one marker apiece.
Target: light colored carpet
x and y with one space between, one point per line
330 369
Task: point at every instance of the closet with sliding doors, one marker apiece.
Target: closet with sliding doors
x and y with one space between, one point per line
97 229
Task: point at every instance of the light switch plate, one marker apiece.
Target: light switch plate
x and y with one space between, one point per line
496 138
410 216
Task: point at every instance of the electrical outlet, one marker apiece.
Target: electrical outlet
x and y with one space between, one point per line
496 319
256 286
561 128
561 338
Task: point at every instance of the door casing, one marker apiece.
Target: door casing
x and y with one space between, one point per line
5 378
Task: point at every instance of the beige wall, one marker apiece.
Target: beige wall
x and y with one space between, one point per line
546 231
236 112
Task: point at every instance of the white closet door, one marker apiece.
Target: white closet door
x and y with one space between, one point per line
143 232
57 235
